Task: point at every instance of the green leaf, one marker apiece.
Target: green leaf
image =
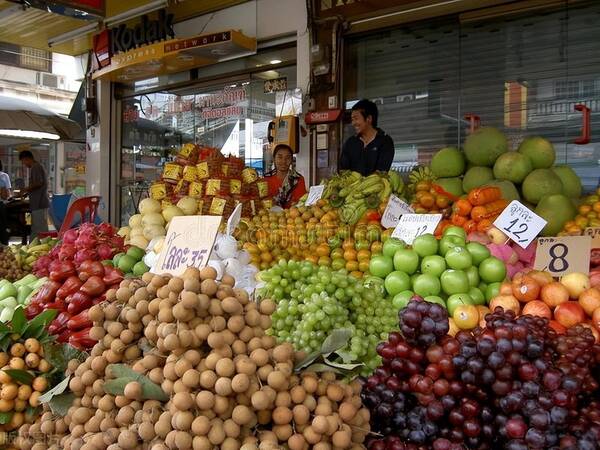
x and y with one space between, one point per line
342 366
5 417
308 360
60 404
346 356
336 340
18 321
36 327
116 387
56 390
22 376
59 355
319 367
124 374
31 413
5 342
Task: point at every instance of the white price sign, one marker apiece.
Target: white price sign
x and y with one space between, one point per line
395 208
411 226
564 254
594 233
234 219
314 194
520 223
188 244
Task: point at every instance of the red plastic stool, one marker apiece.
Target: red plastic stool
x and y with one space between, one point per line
86 207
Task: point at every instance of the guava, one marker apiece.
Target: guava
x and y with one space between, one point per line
539 184
556 210
485 145
539 150
140 268
571 182
136 252
512 166
476 177
126 263
509 190
448 162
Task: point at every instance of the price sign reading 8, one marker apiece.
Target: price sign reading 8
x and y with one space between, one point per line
564 254
558 253
519 223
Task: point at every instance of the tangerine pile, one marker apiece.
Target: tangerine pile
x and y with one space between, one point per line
588 215
429 198
314 234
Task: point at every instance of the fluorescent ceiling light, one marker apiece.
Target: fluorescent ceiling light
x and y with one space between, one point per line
28 134
74 34
275 61
135 12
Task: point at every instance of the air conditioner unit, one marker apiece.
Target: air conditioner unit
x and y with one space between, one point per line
51 81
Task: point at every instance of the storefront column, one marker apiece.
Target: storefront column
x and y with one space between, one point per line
99 170
59 164
304 158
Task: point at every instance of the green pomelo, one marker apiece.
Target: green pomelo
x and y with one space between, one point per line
571 182
509 190
512 166
451 185
539 184
140 268
448 162
135 252
539 150
476 177
557 210
485 145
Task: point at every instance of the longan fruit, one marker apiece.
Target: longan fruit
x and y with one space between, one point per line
216 435
191 378
260 357
296 442
208 379
282 415
342 438
260 401
320 424
347 411
223 386
335 392
277 380
40 384
240 383
215 340
181 367
183 401
225 367
301 415
133 390
17 349
245 365
242 415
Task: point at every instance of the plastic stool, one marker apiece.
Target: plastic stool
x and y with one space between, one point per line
85 207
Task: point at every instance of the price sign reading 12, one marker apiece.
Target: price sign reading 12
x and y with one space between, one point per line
520 223
411 226
188 244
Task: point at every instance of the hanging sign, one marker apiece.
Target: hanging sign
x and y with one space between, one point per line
563 254
395 208
188 244
314 194
411 226
276 85
520 223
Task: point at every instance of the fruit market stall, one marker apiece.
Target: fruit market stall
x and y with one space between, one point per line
383 313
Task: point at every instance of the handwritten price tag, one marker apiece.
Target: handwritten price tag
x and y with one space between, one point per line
188 244
314 194
560 255
594 232
411 226
395 208
520 223
234 219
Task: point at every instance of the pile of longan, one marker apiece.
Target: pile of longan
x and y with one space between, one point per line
230 386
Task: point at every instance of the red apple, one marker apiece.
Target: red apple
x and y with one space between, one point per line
557 327
537 308
590 300
569 314
596 318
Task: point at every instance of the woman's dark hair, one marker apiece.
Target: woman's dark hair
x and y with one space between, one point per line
279 147
25 154
367 108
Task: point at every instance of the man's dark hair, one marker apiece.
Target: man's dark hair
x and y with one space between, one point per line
367 108
1 166
25 154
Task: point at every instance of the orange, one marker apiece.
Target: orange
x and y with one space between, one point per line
324 261
357 274
312 258
427 200
385 234
337 253
584 209
350 255
323 250
351 266
338 263
363 255
596 207
376 247
442 201
363 266
348 244
266 257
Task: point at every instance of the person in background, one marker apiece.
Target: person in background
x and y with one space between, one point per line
286 186
38 193
5 194
370 149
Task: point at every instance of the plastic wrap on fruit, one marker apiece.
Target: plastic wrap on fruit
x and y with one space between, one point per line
218 266
225 246
243 257
374 283
233 267
150 259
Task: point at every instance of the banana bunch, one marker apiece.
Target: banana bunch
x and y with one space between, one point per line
397 182
26 255
418 174
339 181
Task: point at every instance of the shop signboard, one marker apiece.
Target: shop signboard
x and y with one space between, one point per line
276 85
222 104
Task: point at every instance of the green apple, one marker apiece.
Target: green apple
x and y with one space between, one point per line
381 266
478 251
492 270
473 276
482 285
456 300
425 245
396 282
454 230
492 290
406 260
477 296
448 242
435 299
401 300
433 264
458 258
454 281
391 245
426 284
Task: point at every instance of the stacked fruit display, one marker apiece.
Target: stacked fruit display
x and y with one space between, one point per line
452 272
185 363
528 174
515 384
313 301
130 262
17 294
588 215
26 255
478 210
9 268
354 194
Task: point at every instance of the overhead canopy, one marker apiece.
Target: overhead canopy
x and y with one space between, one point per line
36 27
20 118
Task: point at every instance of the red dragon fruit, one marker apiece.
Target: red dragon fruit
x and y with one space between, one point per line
105 229
105 251
70 236
86 239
